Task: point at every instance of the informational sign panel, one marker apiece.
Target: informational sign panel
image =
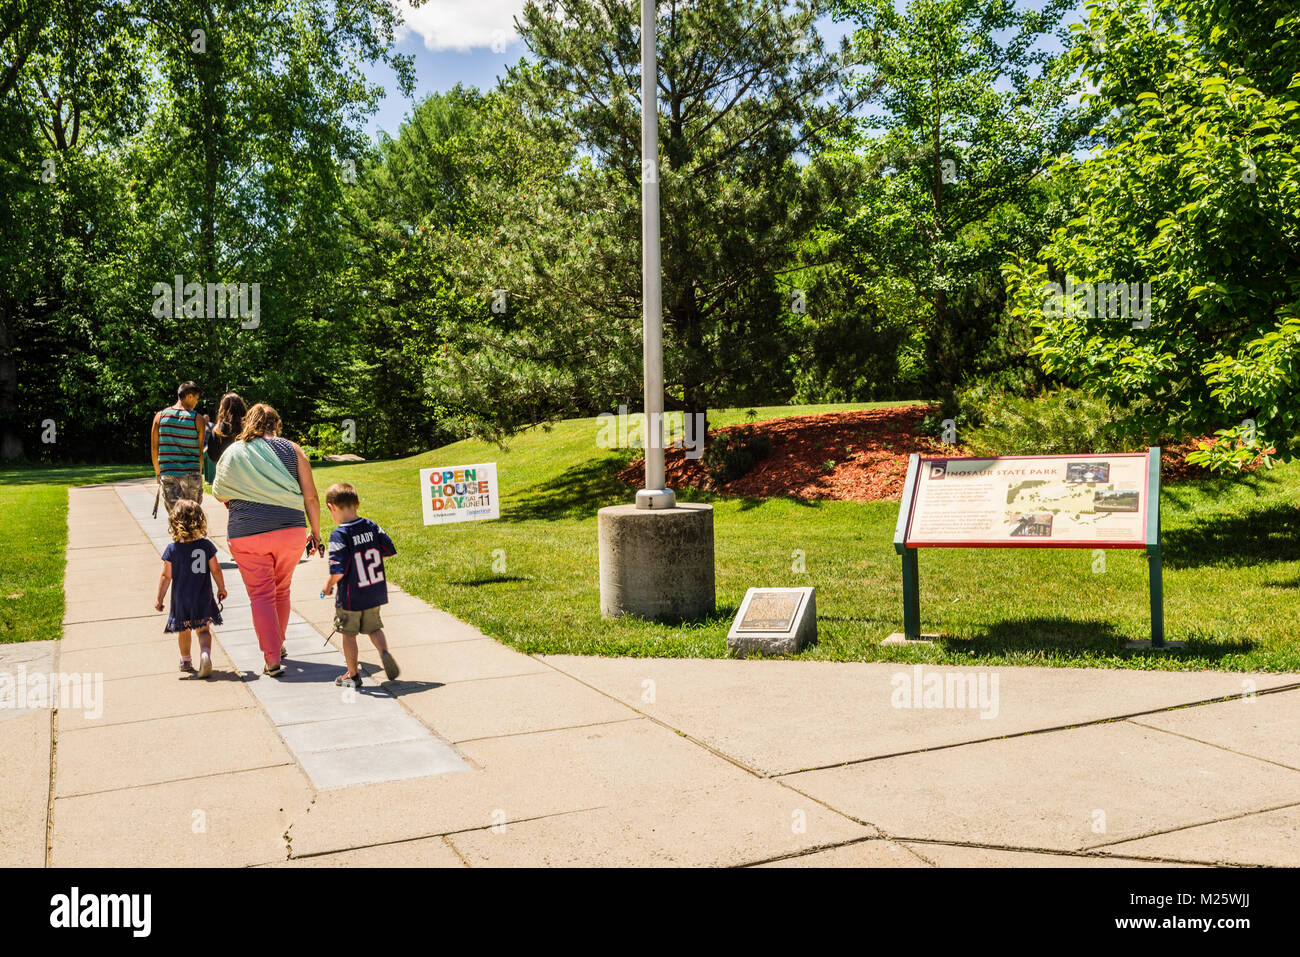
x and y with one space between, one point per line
1044 501
460 493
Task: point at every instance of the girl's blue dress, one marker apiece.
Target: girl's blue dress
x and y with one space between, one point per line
193 604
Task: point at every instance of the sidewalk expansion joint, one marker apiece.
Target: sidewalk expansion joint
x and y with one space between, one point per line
100 621
1212 744
1184 827
1023 734
568 727
49 800
1083 854
447 835
158 784
831 846
86 548
154 717
464 681
455 850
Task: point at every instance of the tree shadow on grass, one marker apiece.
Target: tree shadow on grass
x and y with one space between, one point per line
1191 493
575 494
1069 637
493 580
580 492
1266 535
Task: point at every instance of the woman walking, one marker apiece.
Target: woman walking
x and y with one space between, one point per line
266 483
230 422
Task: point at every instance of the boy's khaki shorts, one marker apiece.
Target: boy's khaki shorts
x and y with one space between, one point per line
366 621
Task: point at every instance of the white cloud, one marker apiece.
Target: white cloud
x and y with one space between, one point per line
462 24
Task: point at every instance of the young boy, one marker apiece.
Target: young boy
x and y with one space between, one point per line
357 550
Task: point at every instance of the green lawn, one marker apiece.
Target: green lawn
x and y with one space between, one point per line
33 535
1232 568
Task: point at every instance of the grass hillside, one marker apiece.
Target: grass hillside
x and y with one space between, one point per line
1232 567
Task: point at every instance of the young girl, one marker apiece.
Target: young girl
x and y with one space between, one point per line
190 563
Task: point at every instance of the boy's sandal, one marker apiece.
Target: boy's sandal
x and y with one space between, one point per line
273 672
349 681
390 666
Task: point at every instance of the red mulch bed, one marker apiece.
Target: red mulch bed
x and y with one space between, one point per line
869 447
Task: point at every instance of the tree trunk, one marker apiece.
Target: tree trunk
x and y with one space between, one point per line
207 66
11 443
941 356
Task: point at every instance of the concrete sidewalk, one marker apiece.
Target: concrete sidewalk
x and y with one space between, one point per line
600 761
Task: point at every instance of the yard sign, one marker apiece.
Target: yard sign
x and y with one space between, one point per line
460 493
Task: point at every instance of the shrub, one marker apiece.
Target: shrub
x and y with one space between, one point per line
324 439
1062 422
734 453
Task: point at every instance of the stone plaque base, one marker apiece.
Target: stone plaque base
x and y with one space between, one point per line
774 621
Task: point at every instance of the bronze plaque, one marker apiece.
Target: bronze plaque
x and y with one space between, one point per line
771 611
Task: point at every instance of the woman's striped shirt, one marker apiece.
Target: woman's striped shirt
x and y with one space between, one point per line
254 518
178 442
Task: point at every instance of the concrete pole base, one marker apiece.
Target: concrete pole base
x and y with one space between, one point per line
656 563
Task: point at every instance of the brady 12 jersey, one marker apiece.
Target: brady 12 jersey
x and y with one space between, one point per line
357 552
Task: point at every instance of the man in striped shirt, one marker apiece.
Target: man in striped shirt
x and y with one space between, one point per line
177 442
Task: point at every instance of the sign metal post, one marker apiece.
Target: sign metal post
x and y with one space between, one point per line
1153 549
911 571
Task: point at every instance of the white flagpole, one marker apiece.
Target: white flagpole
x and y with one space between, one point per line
654 495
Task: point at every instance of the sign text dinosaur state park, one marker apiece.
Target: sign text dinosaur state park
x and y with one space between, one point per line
460 493
1055 501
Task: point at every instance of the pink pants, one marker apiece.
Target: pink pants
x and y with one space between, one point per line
266 563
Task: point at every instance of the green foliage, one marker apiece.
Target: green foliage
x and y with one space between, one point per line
969 108
1060 422
741 96
1195 190
324 439
734 452
856 343
132 153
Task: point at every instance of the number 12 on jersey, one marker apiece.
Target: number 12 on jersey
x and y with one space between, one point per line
368 570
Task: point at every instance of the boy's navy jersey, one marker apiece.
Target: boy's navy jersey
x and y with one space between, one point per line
357 552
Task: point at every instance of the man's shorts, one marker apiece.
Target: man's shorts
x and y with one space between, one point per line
363 622
177 487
